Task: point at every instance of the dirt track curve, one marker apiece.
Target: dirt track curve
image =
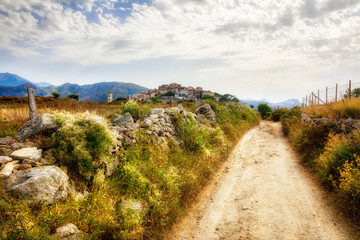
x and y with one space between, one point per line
263 192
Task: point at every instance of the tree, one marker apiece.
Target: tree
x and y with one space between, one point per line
73 96
207 96
168 94
252 106
355 93
264 109
121 99
229 97
56 94
156 100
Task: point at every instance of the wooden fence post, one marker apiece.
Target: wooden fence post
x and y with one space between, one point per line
336 90
349 89
318 96
306 99
32 103
326 95
170 102
312 98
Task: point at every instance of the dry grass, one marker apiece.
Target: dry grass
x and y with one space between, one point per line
342 109
14 112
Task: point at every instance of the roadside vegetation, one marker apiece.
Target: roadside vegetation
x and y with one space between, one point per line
332 154
152 181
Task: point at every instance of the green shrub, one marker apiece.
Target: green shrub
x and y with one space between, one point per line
135 110
56 94
82 141
73 96
264 110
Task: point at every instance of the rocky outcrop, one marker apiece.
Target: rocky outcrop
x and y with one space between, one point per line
159 122
68 232
205 112
46 184
27 153
125 120
42 124
346 125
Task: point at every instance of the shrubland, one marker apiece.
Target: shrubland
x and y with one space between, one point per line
331 153
150 183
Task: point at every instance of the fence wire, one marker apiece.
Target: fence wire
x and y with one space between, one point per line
329 95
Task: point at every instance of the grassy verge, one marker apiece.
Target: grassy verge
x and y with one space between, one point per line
333 156
153 180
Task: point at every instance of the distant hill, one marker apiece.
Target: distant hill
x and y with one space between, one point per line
21 91
285 104
91 92
98 92
9 79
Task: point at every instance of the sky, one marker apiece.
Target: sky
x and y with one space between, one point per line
273 49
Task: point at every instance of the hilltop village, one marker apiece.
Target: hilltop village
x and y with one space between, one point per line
175 91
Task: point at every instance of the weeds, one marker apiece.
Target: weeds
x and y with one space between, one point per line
154 181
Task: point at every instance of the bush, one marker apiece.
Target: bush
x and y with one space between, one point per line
264 110
82 142
73 96
135 110
56 94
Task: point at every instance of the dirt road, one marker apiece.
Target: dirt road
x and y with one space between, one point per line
263 192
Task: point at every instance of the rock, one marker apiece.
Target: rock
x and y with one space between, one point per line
8 169
69 232
146 123
29 153
5 159
42 124
46 184
17 145
125 120
31 162
206 112
25 166
6 140
5 150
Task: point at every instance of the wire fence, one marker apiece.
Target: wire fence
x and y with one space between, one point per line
333 94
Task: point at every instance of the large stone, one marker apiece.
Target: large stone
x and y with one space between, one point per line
125 120
5 159
69 232
46 184
8 169
29 153
206 112
42 124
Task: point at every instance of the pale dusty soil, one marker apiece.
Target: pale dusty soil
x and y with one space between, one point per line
263 192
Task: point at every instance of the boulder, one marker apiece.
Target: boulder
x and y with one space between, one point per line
42 124
6 140
46 184
29 153
125 120
206 112
5 159
17 145
8 169
69 232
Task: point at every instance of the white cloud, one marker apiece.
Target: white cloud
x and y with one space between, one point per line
242 35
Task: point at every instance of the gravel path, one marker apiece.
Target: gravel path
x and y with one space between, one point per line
263 192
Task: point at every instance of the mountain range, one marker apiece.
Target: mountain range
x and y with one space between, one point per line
284 104
13 85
